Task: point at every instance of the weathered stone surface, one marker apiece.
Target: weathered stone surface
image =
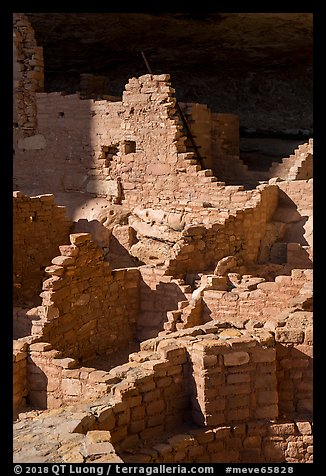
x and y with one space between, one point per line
236 358
36 142
104 187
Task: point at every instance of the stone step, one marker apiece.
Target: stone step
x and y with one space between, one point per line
205 172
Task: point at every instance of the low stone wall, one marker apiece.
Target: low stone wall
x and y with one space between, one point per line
254 442
39 227
222 379
254 301
144 397
54 380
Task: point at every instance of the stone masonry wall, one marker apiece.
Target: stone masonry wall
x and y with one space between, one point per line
28 75
226 163
85 304
143 398
39 227
294 347
254 442
199 120
168 382
298 166
158 295
54 380
234 380
254 303
131 150
70 137
19 374
296 197
240 234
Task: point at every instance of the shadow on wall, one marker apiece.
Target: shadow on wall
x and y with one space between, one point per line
114 252
287 213
154 305
294 382
100 234
293 247
37 386
119 256
23 319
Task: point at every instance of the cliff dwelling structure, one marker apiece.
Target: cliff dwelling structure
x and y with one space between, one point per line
162 269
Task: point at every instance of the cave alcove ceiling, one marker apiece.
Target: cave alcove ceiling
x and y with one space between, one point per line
256 65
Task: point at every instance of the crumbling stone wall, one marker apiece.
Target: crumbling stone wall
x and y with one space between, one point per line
39 227
158 295
19 374
28 75
241 233
131 150
171 381
85 304
54 380
255 442
254 301
298 166
296 201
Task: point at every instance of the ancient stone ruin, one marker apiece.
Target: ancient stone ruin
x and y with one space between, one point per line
162 306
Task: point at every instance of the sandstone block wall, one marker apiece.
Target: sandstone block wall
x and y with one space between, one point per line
296 198
78 136
234 381
144 397
259 373
39 227
159 294
131 150
225 146
254 302
254 442
241 233
298 166
85 304
225 381
199 120
294 346
70 140
19 374
54 380
28 75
